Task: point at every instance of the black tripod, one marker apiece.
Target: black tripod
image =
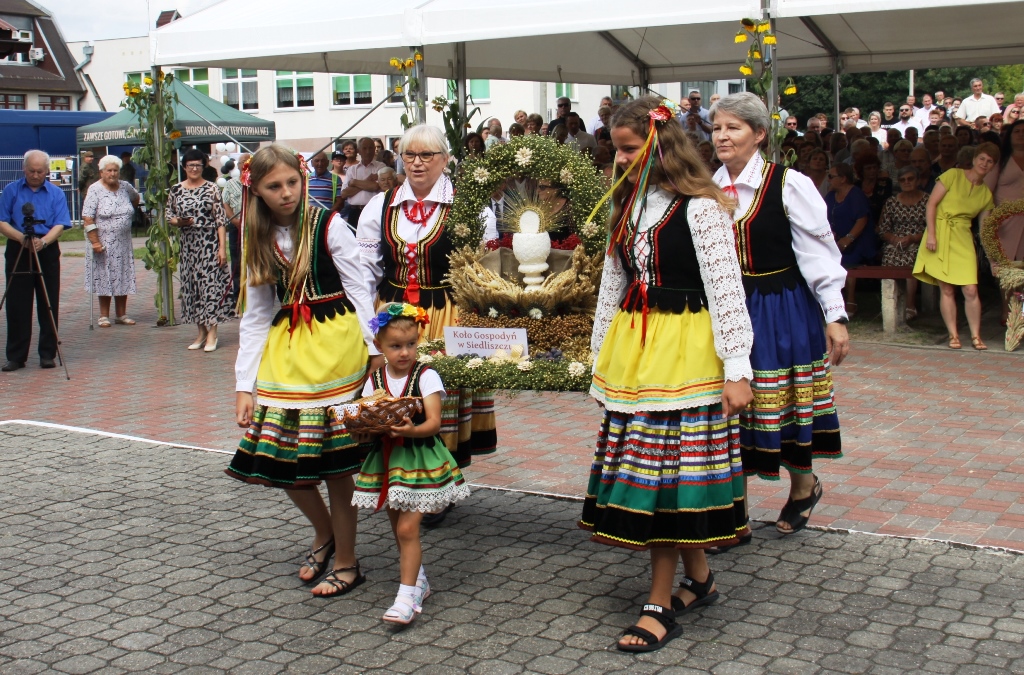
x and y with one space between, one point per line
35 270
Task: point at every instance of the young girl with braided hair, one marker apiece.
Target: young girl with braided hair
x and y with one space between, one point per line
410 470
312 353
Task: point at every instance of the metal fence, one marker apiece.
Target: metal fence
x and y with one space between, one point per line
11 170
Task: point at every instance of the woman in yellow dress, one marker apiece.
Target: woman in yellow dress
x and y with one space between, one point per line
948 258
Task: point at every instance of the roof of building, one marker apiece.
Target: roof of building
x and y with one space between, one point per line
167 16
56 72
22 7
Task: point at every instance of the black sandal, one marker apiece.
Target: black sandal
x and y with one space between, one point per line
340 586
715 550
665 617
318 566
705 596
792 512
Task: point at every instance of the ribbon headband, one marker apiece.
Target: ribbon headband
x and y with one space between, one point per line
397 310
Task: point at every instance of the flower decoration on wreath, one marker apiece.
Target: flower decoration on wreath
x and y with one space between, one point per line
1010 272
534 157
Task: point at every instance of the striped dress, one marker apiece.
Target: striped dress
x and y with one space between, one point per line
667 469
409 474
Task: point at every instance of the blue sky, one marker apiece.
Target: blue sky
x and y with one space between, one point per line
104 19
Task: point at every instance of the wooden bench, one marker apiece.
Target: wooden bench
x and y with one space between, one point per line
894 293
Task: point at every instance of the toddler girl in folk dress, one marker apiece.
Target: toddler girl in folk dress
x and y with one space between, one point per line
410 470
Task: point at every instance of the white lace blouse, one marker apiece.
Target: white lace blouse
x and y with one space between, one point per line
817 255
260 300
714 242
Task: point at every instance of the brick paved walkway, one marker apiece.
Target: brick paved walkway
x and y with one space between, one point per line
934 438
125 557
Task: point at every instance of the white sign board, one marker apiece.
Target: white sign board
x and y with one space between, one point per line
483 341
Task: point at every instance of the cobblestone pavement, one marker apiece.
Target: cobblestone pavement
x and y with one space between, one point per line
120 556
934 439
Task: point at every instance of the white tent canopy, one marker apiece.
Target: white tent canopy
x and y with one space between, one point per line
593 41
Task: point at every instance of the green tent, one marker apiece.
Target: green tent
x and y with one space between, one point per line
193 114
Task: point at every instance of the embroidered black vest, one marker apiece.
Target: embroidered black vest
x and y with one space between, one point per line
324 293
764 240
412 387
674 281
431 264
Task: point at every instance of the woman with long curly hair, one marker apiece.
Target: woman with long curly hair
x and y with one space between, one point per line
672 339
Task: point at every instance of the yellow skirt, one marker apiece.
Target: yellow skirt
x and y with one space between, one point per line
677 368
318 364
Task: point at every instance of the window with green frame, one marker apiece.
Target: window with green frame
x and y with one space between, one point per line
351 90
564 89
294 89
478 90
240 89
134 78
197 78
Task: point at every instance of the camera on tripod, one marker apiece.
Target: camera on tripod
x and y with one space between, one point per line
28 222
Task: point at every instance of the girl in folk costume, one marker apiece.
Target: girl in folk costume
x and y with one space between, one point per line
403 236
312 353
793 276
410 470
672 339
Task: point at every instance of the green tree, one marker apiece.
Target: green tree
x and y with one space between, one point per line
868 91
1007 79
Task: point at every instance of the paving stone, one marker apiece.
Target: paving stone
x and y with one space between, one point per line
517 587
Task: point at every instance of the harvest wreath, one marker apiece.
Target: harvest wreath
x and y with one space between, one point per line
1009 272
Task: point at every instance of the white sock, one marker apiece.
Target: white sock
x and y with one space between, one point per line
422 574
410 591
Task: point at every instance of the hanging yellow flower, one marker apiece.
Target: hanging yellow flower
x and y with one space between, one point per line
409 63
395 63
769 39
776 116
746 70
418 56
755 54
789 90
749 25
763 27
174 135
148 81
136 91
398 89
740 37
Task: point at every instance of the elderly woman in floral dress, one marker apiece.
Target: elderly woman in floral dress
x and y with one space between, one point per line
404 239
107 214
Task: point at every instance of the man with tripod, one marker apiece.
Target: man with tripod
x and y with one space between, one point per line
33 199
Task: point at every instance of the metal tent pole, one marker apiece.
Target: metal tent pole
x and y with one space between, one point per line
460 85
418 94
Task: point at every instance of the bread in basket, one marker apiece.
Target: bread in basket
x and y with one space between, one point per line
376 414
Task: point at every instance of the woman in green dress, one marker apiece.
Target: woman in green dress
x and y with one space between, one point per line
948 258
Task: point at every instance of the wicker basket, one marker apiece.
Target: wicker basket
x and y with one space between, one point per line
376 414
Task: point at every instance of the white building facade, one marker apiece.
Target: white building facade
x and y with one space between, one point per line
310 109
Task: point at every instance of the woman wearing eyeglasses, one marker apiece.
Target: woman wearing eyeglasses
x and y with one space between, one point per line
194 205
901 229
403 237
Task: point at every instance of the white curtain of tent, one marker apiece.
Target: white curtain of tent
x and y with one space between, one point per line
594 41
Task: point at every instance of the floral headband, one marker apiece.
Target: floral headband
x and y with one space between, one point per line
396 310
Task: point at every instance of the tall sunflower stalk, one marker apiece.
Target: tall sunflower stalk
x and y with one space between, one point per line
760 36
152 101
407 68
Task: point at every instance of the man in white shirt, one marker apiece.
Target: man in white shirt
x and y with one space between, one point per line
854 114
927 106
596 123
360 183
578 138
696 118
907 119
979 103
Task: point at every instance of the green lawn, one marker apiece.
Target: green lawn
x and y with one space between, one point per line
74 234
